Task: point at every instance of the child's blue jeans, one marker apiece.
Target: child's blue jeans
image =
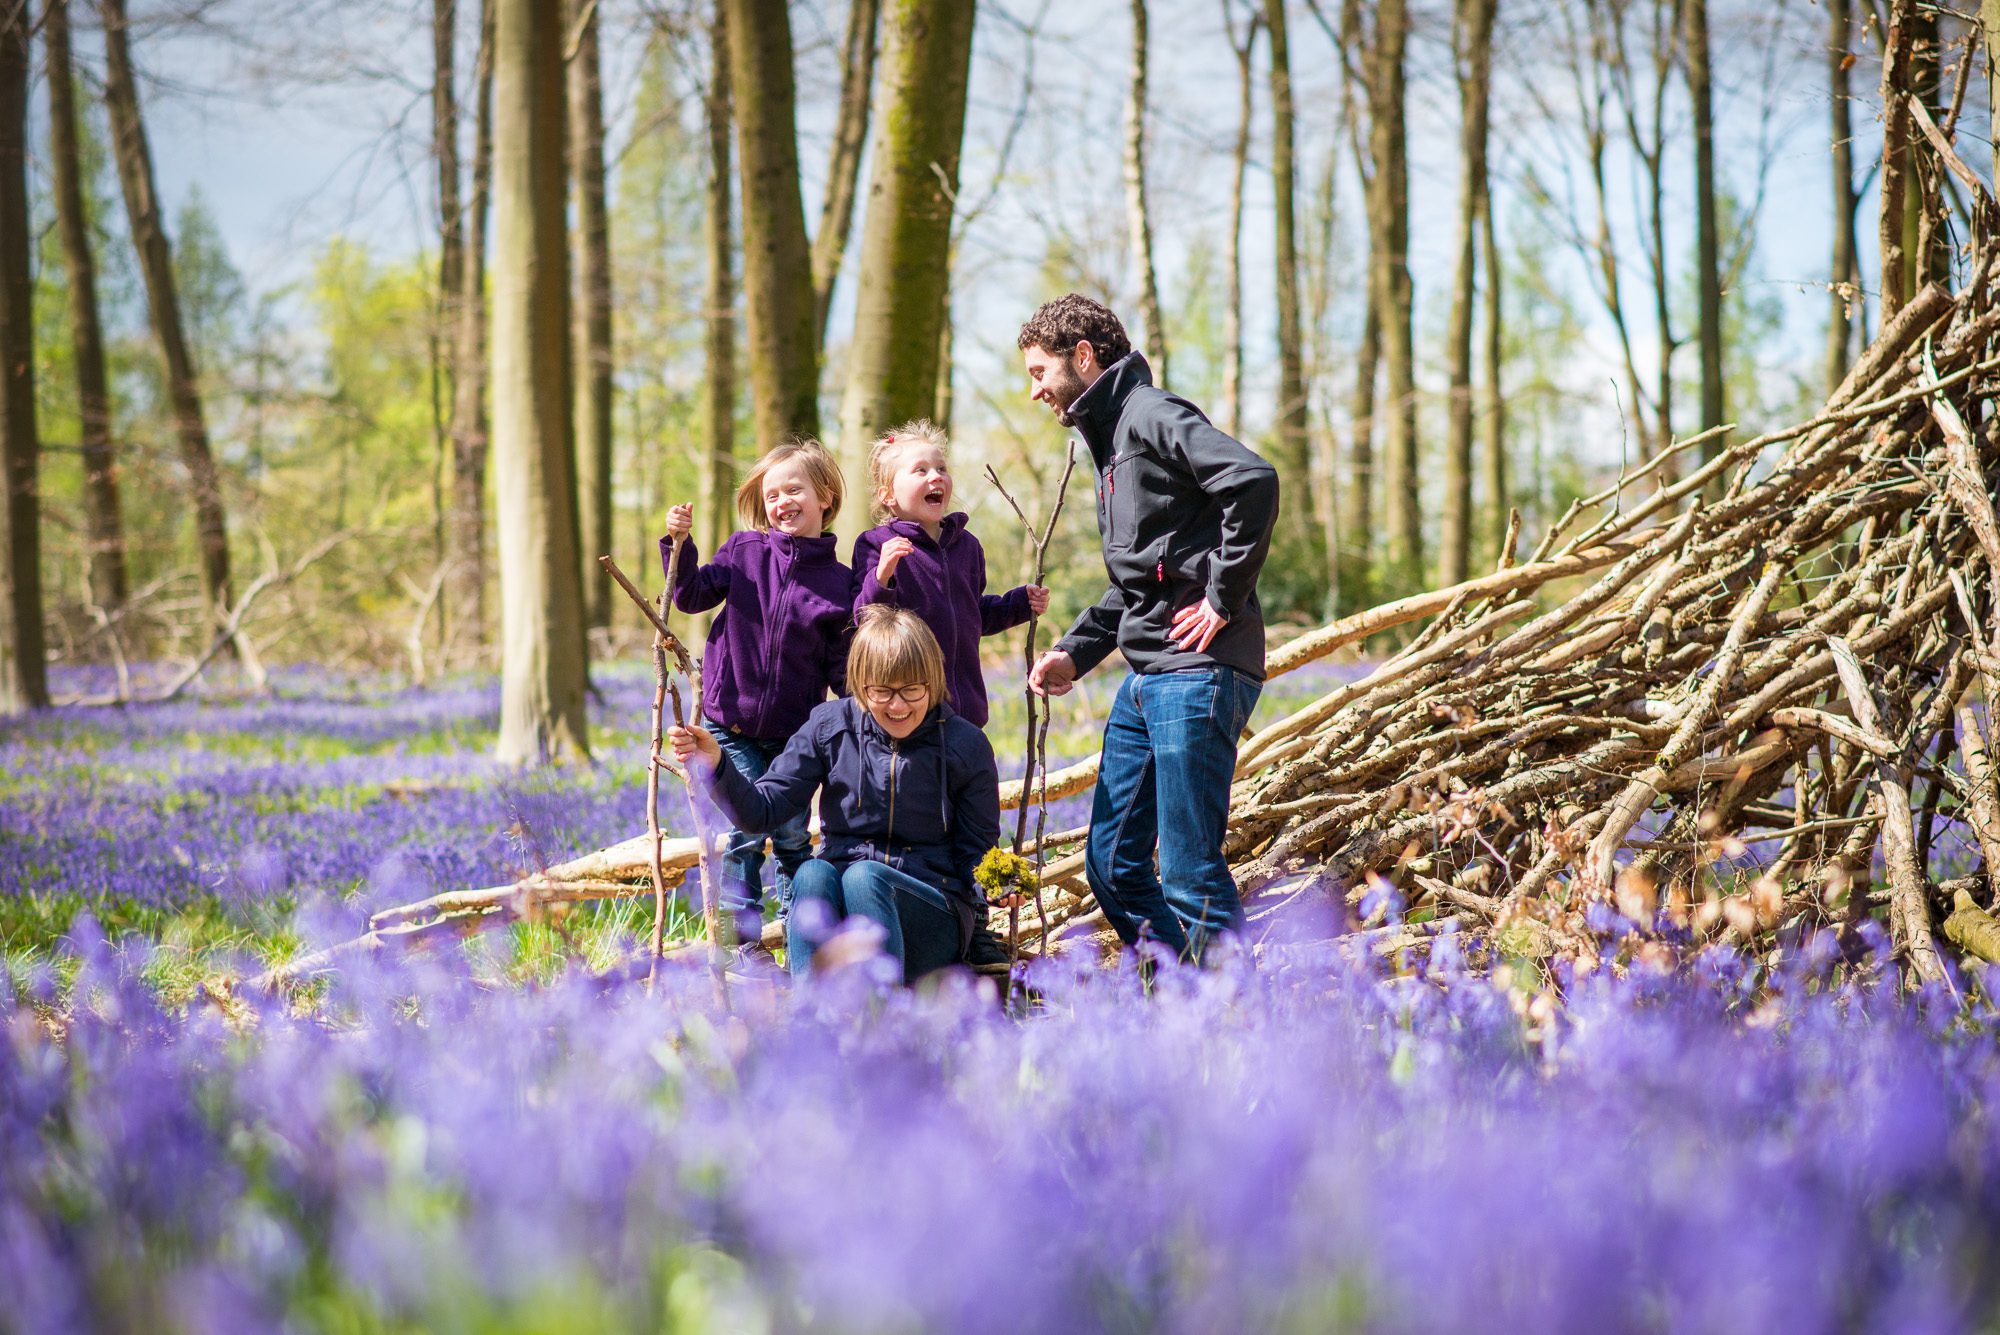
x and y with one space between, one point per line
919 925
743 862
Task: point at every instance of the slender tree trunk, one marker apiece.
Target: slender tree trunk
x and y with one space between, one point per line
1895 156
590 347
1493 400
466 585
1358 528
149 236
1232 335
541 594
451 237
1138 222
1927 246
1294 414
1392 181
843 173
1840 319
24 680
104 525
1708 261
941 409
1989 22
1475 46
777 266
718 476
906 240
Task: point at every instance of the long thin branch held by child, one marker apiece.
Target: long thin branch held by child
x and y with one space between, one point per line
665 642
1038 727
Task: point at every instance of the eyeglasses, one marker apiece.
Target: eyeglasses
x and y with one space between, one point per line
882 695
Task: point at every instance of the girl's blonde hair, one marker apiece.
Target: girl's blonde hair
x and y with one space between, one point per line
882 455
893 647
821 470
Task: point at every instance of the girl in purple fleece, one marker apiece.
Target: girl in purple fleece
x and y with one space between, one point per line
927 561
778 643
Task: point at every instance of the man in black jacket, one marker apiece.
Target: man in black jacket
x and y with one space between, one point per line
1185 513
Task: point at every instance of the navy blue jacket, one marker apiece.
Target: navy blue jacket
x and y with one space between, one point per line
928 805
781 637
943 580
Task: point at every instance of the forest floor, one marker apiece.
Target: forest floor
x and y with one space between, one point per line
515 1133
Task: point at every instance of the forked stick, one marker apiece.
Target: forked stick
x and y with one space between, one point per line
665 688
1037 737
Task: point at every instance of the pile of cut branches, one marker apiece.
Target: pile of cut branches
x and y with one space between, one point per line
1726 732
1730 697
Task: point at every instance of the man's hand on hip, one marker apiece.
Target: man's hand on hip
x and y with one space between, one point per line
1194 626
1053 673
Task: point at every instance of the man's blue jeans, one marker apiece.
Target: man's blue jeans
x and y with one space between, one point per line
1169 756
919 925
743 861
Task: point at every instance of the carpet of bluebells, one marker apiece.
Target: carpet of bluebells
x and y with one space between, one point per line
1315 1140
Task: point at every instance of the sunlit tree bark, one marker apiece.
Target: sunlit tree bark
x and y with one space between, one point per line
906 239
1473 31
777 264
590 348
104 526
541 614
1708 262
1138 222
850 136
1846 290
719 300
24 680
466 584
149 236
1294 459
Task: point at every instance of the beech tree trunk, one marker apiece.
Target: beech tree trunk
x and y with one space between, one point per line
1927 245
1895 156
1359 523
1989 22
1294 459
104 527
843 174
718 476
1232 316
591 342
777 265
541 595
149 237
1396 299
1493 399
451 235
1846 292
1138 222
24 682
1474 34
469 427
906 240
1708 262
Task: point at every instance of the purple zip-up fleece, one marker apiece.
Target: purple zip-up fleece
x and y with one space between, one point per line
780 640
943 580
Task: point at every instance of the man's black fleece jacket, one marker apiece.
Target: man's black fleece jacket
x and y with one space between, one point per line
1185 512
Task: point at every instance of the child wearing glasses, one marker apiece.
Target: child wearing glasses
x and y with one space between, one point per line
775 647
925 560
909 801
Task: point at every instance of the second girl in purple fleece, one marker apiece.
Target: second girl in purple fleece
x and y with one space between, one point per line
777 644
924 559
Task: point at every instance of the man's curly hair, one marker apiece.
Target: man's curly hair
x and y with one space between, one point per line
1069 320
